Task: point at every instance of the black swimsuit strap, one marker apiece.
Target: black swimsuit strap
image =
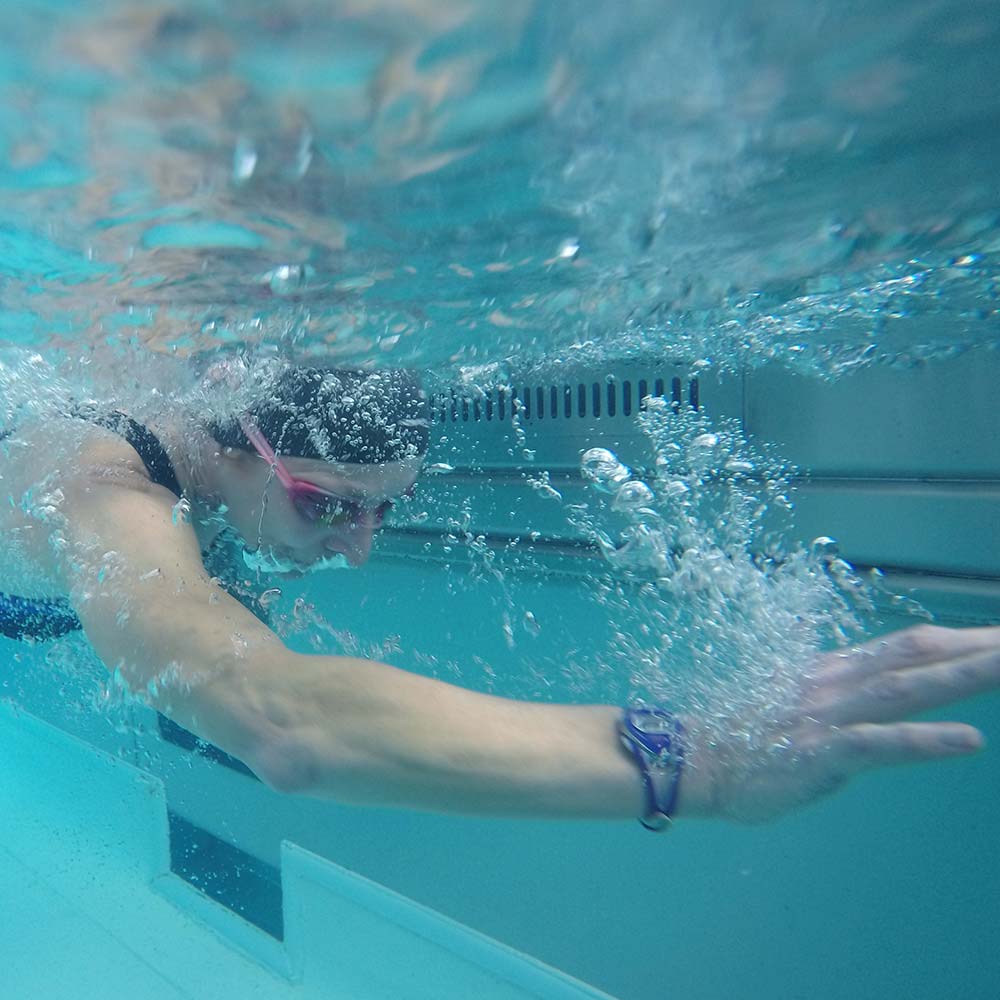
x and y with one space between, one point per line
147 445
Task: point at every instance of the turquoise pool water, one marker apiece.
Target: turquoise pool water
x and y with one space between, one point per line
785 219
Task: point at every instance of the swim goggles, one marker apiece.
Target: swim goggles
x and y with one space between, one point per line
655 738
316 505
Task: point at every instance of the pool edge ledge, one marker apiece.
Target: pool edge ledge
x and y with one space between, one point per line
361 939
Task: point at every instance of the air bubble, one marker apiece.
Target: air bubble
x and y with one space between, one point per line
181 513
544 488
287 279
824 547
704 452
643 549
632 496
602 468
269 597
569 249
244 160
304 153
842 572
508 631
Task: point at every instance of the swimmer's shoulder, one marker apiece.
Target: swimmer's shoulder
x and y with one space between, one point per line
66 450
40 466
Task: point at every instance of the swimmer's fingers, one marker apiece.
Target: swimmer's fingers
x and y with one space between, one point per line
896 694
913 647
859 748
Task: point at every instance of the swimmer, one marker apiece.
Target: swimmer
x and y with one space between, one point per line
302 473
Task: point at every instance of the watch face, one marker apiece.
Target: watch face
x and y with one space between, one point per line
659 734
653 721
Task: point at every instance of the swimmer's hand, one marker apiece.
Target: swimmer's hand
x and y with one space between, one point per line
847 720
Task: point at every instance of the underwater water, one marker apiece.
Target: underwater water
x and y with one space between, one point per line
605 234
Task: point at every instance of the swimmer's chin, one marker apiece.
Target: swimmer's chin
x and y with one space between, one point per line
267 561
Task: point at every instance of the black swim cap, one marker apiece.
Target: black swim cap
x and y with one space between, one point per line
338 415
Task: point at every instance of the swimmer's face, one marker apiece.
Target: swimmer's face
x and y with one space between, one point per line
260 508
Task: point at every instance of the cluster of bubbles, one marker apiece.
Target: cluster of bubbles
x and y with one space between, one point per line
643 543
716 614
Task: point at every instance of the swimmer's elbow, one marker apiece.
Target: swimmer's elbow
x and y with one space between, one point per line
283 767
263 737
286 755
292 763
291 766
323 727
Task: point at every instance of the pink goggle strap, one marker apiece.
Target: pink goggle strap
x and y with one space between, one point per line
266 452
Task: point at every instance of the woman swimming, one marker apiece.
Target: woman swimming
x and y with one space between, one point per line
303 472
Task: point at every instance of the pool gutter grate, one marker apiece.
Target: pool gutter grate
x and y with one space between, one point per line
593 400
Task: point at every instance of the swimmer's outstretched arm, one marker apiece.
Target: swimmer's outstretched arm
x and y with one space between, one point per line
365 732
401 739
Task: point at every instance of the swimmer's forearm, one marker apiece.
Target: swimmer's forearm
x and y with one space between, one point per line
372 734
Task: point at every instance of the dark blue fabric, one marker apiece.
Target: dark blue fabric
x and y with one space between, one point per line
36 618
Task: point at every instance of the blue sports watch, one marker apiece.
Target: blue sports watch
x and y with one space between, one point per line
655 738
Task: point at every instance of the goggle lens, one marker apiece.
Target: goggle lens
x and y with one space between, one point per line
320 507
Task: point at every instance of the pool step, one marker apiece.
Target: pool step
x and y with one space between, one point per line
87 895
356 938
